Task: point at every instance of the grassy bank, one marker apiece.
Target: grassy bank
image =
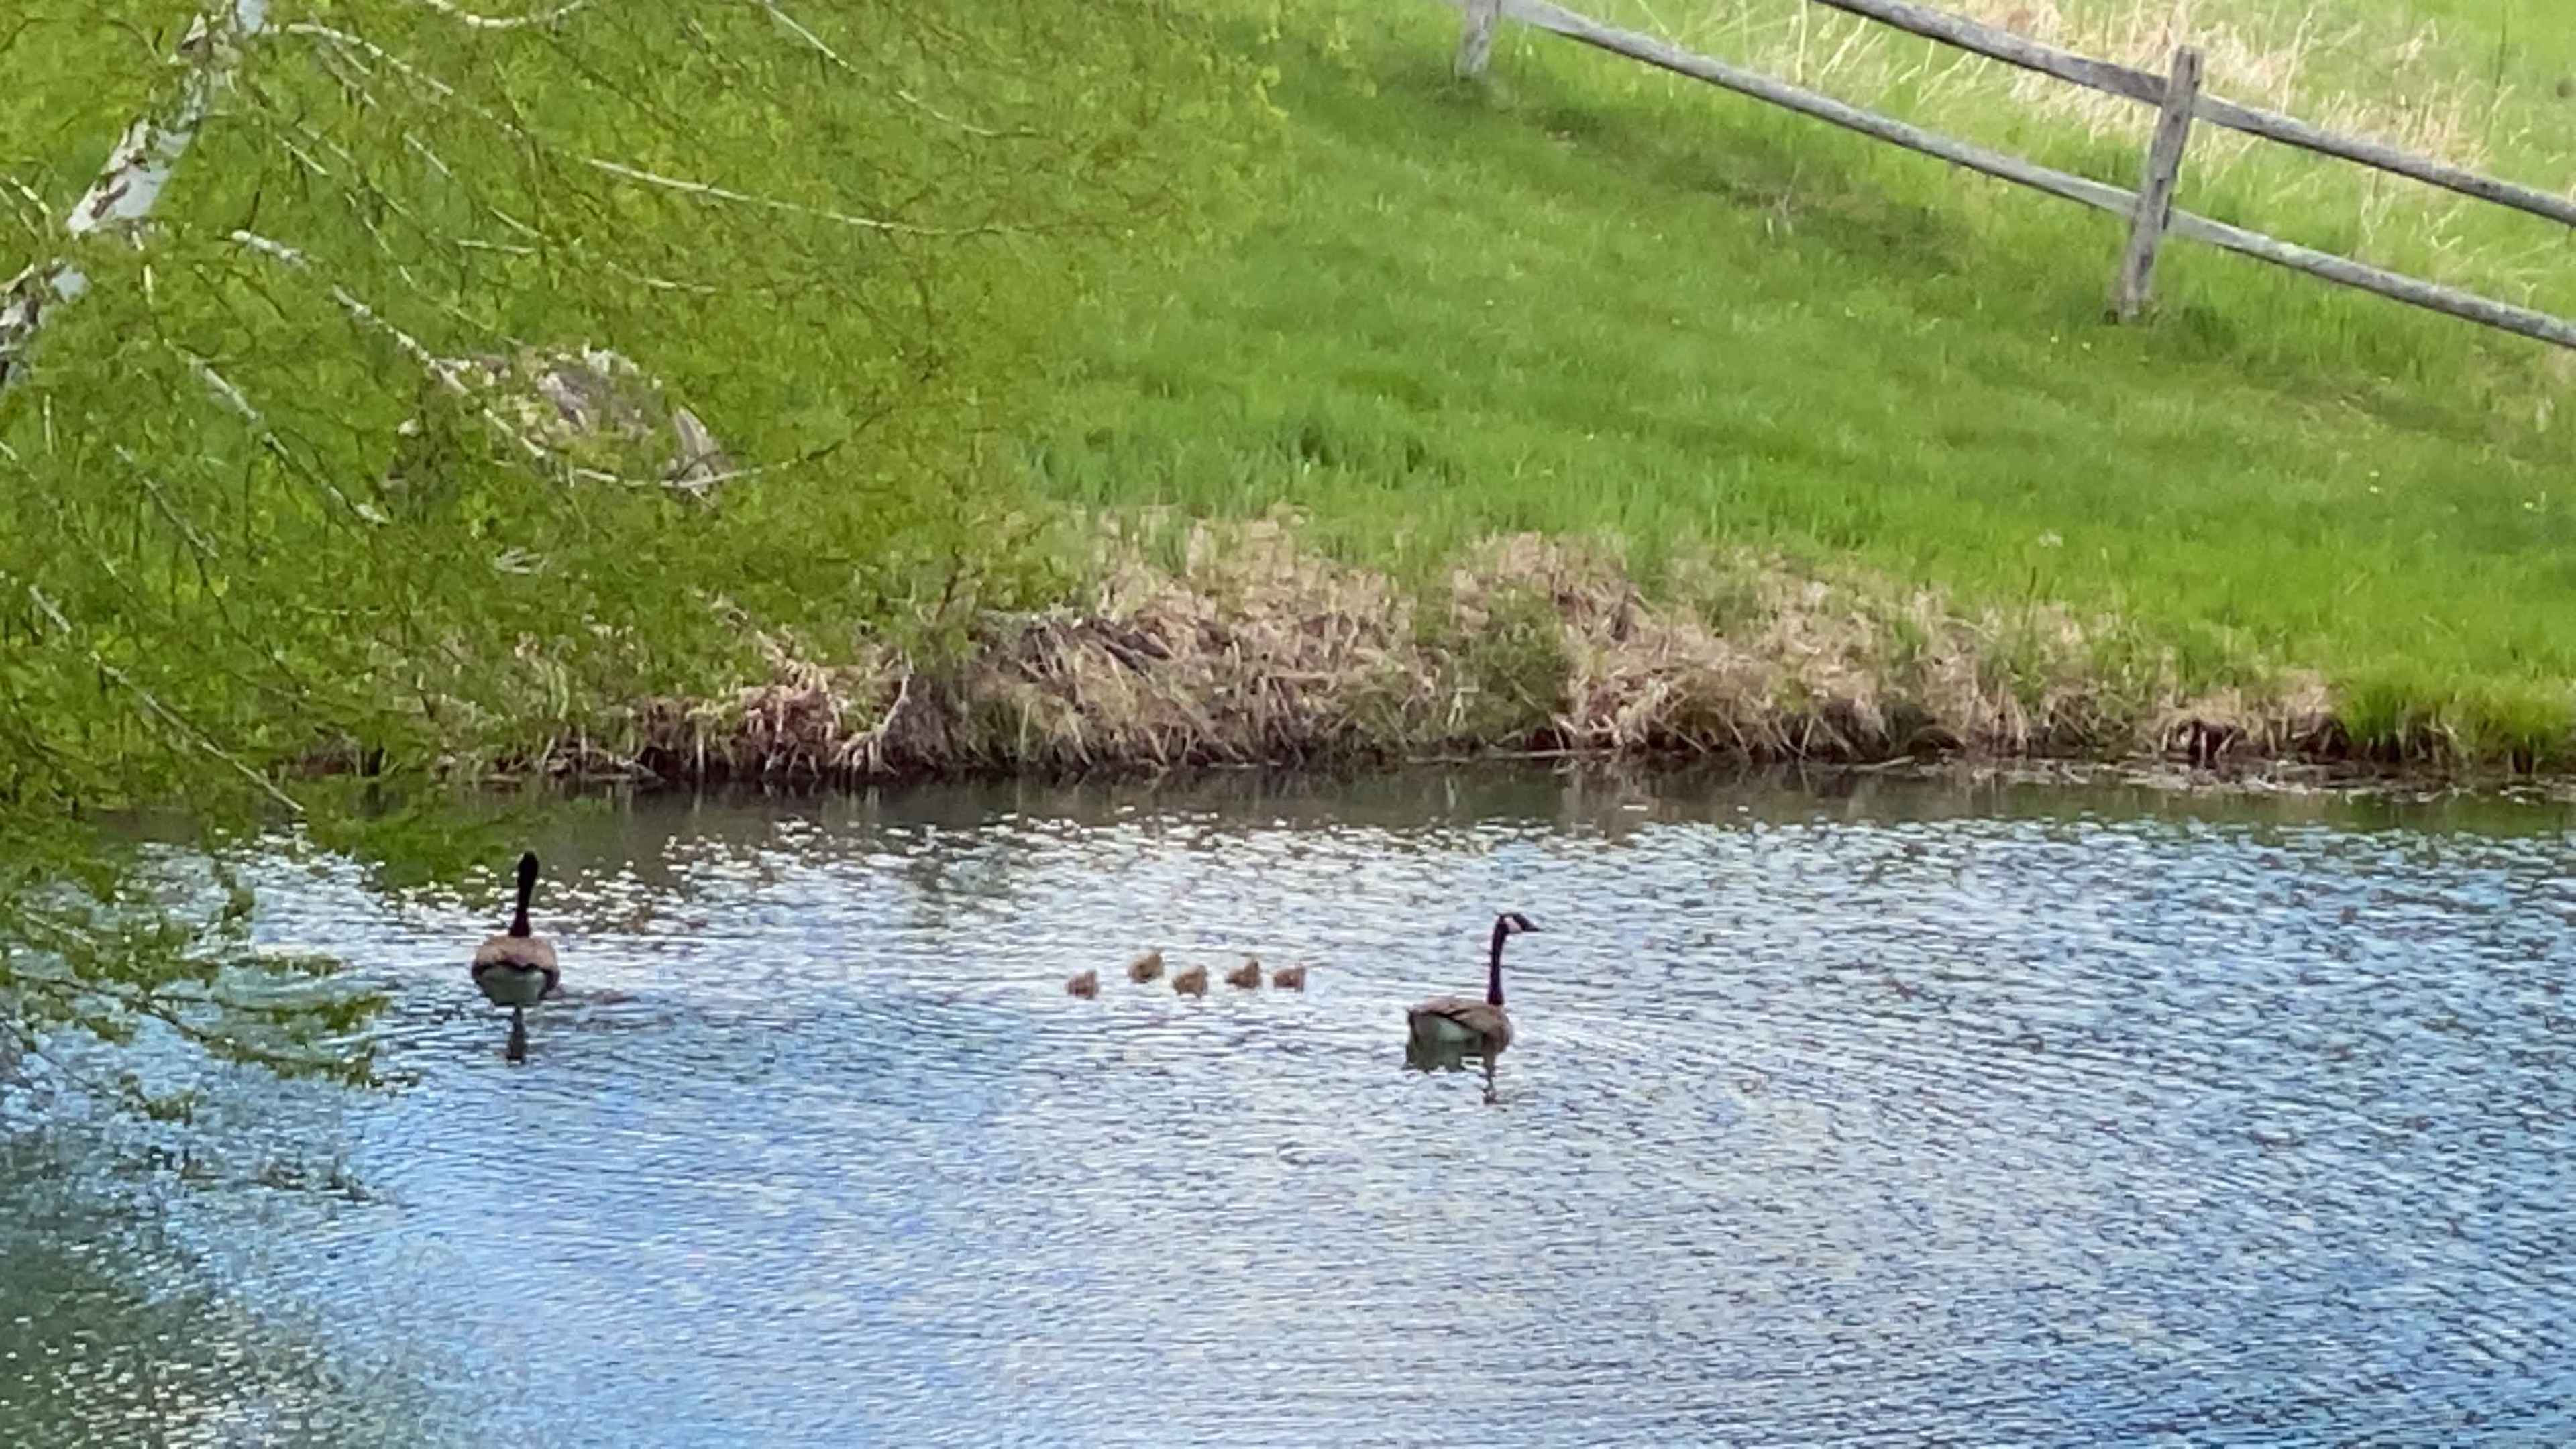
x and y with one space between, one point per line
1772 389
1784 389
1594 302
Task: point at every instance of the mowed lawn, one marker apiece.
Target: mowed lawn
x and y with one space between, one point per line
1588 299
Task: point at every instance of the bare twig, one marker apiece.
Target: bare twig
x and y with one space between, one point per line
779 14
233 398
138 170
445 374
442 89
824 49
197 540
631 173
473 21
719 193
412 347
1018 133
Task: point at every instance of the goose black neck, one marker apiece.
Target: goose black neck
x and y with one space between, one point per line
1494 965
527 889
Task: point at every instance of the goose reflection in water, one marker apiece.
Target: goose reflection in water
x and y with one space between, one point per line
1424 1056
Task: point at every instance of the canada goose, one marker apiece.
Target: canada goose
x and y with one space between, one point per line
1247 975
1289 978
1086 984
1146 967
1192 982
517 968
1463 1023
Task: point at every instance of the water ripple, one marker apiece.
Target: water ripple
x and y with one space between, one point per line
1893 1118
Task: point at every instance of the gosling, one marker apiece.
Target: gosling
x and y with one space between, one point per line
1086 984
1289 978
1247 975
1192 982
1146 967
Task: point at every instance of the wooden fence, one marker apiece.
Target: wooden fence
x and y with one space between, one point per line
2150 209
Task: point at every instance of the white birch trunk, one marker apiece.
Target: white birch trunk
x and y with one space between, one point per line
138 171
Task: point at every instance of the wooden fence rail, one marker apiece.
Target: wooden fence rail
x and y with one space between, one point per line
2139 85
2149 209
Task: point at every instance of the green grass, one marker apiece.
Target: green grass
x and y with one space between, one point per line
2525 42
1588 299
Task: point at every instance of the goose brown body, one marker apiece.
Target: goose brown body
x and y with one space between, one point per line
1086 984
1192 982
1145 967
1289 978
517 970
1477 1023
1247 976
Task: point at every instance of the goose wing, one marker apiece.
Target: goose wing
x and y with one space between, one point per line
1477 1015
519 953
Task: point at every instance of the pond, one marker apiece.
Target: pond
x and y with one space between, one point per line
1867 1111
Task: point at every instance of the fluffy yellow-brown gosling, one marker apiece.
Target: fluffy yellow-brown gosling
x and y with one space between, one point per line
517 968
1247 975
1289 978
1145 967
1192 982
1086 984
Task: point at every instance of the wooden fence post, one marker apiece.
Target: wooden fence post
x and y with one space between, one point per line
1476 44
2137 280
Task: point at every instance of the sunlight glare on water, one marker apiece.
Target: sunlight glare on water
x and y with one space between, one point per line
1901 1114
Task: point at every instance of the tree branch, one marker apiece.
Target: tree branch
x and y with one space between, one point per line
233 398
138 171
719 193
444 374
473 21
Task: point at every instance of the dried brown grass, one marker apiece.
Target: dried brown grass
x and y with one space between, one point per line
2257 64
1247 645
2252 55
2398 84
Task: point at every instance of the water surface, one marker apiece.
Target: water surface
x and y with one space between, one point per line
1872 1113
